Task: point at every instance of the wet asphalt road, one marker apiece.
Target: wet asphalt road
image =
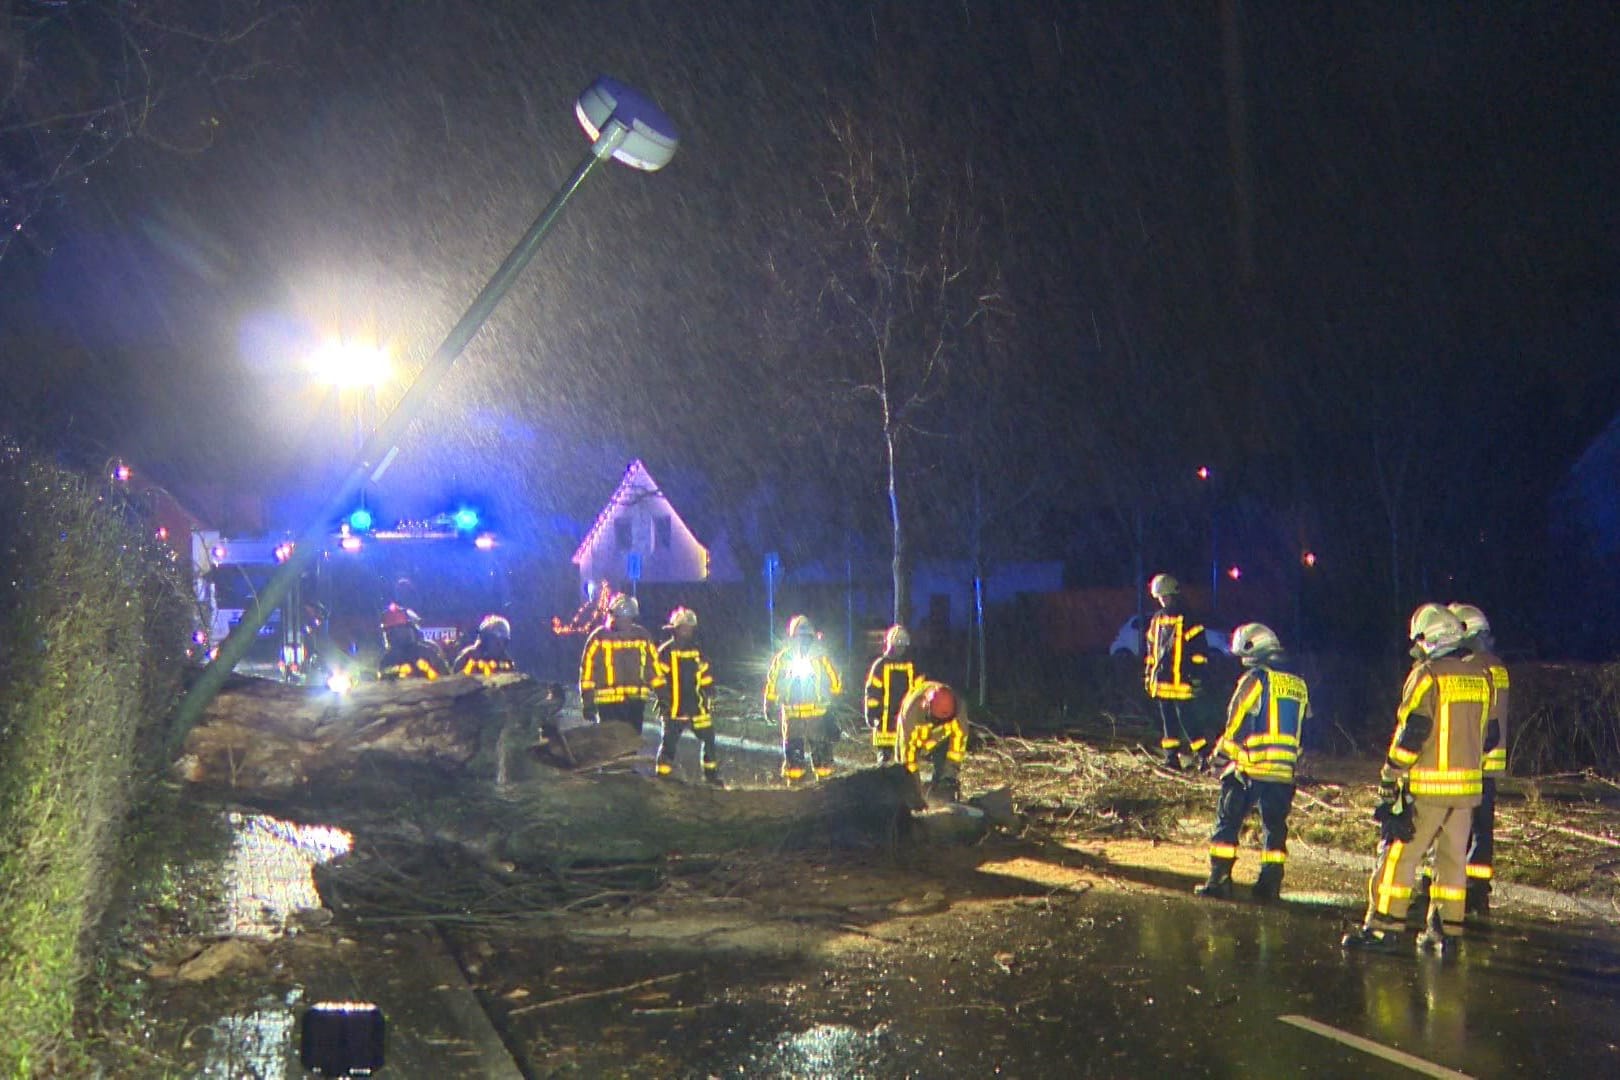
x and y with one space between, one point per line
1116 984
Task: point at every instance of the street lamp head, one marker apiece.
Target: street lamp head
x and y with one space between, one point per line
1203 472
350 363
625 123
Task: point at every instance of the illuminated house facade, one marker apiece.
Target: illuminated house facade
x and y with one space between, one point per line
638 537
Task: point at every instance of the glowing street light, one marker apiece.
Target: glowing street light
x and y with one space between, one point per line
1308 559
1234 572
623 125
350 364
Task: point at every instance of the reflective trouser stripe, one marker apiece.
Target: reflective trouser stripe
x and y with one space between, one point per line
1479 873
1274 856
1223 851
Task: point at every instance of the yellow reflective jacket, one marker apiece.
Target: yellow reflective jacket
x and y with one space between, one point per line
1439 731
619 664
1264 722
887 682
1174 654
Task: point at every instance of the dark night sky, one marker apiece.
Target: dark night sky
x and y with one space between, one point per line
1428 327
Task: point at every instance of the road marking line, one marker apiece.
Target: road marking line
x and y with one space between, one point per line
1367 1046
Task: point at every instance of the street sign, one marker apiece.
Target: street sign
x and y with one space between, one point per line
632 565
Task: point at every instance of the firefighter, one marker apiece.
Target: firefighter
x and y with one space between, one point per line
887 682
618 669
684 697
1479 648
406 653
1428 787
799 687
1174 656
491 650
1256 756
931 724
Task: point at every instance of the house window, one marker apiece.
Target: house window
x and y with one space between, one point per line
663 534
622 535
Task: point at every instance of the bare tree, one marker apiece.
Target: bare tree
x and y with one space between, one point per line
902 292
79 79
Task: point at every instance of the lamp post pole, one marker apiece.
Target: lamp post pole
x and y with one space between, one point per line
623 125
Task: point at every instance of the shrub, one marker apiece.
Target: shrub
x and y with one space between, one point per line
1564 718
93 622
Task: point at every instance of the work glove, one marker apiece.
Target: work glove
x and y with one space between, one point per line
1393 813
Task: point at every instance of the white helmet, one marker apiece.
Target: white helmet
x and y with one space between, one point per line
624 606
801 626
1163 586
896 638
1254 642
1475 624
1434 631
682 616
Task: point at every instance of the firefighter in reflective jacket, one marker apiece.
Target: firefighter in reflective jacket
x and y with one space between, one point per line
931 725
1174 655
887 682
1479 649
618 671
1429 786
406 653
1256 754
491 650
684 697
799 687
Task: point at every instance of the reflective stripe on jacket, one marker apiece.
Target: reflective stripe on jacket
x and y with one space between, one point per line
1451 697
801 684
619 664
1264 721
919 734
886 685
1496 749
686 682
1173 656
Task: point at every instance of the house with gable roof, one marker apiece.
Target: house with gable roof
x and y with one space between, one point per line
639 537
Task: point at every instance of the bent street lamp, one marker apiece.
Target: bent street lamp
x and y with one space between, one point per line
622 124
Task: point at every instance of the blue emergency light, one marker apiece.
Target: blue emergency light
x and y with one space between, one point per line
465 520
360 520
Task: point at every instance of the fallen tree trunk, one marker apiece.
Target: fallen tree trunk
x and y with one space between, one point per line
269 736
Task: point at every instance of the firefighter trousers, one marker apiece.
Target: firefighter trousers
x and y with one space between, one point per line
807 743
1238 797
632 711
1182 724
1389 892
1482 837
673 728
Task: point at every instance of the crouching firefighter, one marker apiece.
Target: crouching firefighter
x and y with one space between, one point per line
684 697
491 650
887 682
618 670
406 653
1434 759
932 726
799 687
1256 756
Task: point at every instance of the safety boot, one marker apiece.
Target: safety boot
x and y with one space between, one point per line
1372 939
1434 938
1219 885
1268 886
1478 903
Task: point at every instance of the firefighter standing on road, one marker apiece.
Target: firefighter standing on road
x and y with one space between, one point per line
932 726
1480 648
1429 786
684 697
491 650
887 682
1256 755
1174 656
799 687
618 671
406 653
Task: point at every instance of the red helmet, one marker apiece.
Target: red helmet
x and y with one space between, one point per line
942 703
394 617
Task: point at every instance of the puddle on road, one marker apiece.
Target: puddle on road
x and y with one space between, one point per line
269 873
